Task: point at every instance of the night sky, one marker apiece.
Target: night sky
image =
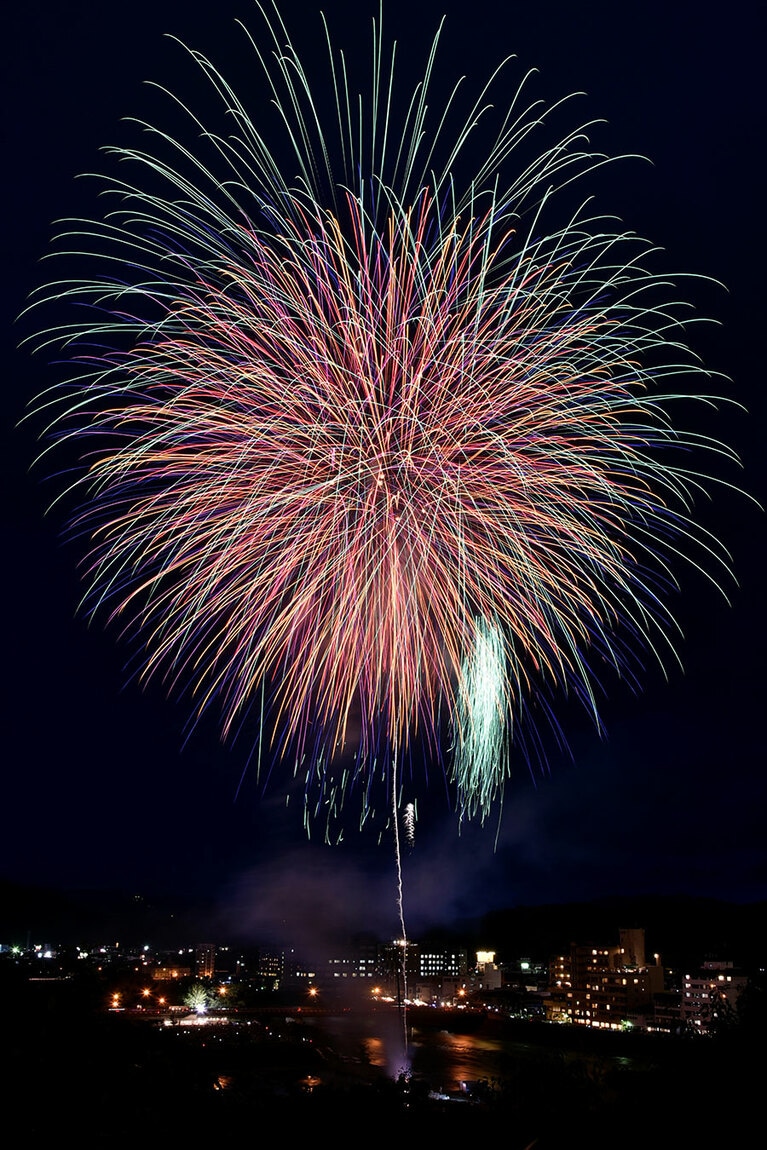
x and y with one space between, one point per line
105 788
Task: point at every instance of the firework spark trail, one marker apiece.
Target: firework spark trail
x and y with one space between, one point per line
371 441
402 998
480 759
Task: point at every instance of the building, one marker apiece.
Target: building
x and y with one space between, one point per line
268 968
358 969
616 998
710 995
297 973
605 987
205 960
442 962
169 972
442 975
487 973
398 967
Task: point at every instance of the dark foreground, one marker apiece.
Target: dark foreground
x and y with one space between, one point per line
77 1072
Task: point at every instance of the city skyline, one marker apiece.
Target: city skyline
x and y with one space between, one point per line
608 980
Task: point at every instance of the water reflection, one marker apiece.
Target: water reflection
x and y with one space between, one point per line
372 1039
449 1061
445 1060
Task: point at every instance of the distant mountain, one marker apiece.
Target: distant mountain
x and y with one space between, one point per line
683 930
34 915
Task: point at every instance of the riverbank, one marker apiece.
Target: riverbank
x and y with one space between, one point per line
113 1079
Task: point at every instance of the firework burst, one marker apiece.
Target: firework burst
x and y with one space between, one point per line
370 446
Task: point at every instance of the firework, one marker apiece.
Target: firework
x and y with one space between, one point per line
408 820
371 444
480 760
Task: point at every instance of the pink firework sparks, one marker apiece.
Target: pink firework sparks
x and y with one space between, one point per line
346 428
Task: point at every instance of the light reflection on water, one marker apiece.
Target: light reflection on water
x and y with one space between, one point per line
377 1040
448 1061
444 1060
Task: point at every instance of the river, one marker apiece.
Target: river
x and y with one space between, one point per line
451 1063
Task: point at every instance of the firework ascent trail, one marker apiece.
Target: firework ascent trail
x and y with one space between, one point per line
374 448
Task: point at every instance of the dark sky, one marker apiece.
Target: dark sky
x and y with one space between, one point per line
100 788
